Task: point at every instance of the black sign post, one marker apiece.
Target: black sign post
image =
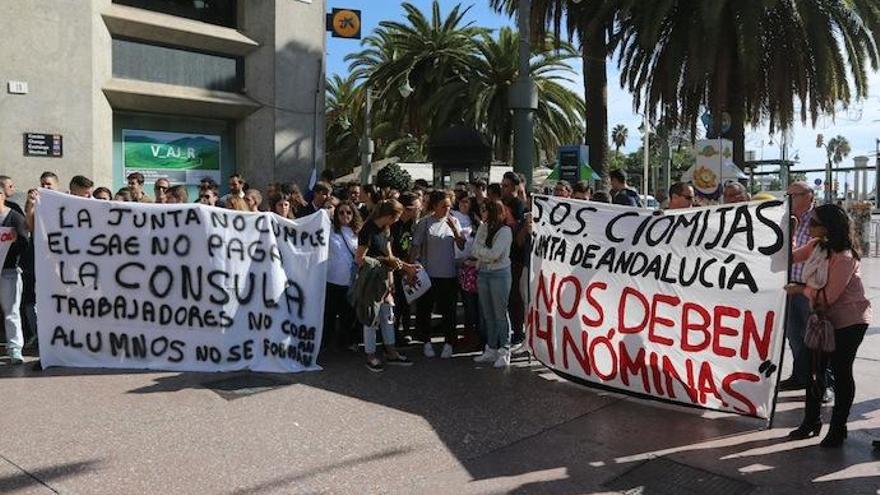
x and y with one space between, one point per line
48 145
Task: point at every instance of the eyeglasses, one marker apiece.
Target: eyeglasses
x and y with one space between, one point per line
160 188
205 196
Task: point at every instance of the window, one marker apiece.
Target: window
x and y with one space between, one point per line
221 12
154 63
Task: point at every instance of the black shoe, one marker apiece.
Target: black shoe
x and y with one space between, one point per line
806 430
791 383
375 366
834 438
398 360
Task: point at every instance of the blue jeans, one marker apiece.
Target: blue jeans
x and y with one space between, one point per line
386 324
493 289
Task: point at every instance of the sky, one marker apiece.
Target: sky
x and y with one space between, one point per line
860 124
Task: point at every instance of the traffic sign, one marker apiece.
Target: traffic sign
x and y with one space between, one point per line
344 23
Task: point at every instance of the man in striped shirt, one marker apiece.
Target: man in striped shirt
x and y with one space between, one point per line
801 196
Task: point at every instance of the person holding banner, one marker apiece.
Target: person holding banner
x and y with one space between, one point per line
491 251
681 196
10 280
434 240
374 249
833 284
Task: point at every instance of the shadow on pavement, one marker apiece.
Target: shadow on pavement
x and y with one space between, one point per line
42 477
289 480
533 432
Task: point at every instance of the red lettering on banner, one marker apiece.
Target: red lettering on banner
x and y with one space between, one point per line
656 374
750 333
544 294
707 384
571 280
568 343
721 330
687 326
621 311
727 386
635 366
595 305
8 236
546 335
673 376
659 320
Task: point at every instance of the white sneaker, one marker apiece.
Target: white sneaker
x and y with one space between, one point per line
429 350
488 356
503 360
447 351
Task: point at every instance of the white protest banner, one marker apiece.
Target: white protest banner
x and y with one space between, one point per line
684 306
7 237
178 287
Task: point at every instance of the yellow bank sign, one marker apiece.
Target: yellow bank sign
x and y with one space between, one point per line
344 23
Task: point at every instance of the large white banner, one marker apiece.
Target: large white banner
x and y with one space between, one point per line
684 306
178 287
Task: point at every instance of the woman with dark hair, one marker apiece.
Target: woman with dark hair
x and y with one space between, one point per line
519 256
434 241
373 249
370 197
292 193
492 253
341 263
281 206
467 212
833 284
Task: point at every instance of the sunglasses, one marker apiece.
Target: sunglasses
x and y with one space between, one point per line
160 188
205 196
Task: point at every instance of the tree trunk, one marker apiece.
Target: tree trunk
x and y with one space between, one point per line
596 97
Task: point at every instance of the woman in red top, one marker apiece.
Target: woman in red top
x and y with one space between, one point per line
845 304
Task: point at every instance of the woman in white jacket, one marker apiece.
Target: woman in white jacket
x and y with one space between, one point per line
491 252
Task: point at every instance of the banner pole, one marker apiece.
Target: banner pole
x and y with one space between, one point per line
784 323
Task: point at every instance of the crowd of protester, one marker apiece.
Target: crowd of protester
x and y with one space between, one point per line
473 243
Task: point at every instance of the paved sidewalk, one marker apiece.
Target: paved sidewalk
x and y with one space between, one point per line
438 427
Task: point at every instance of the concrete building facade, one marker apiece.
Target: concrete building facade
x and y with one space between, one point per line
184 88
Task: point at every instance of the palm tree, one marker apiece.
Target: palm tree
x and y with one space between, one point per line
592 21
457 73
836 150
618 137
558 119
344 121
751 59
408 62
